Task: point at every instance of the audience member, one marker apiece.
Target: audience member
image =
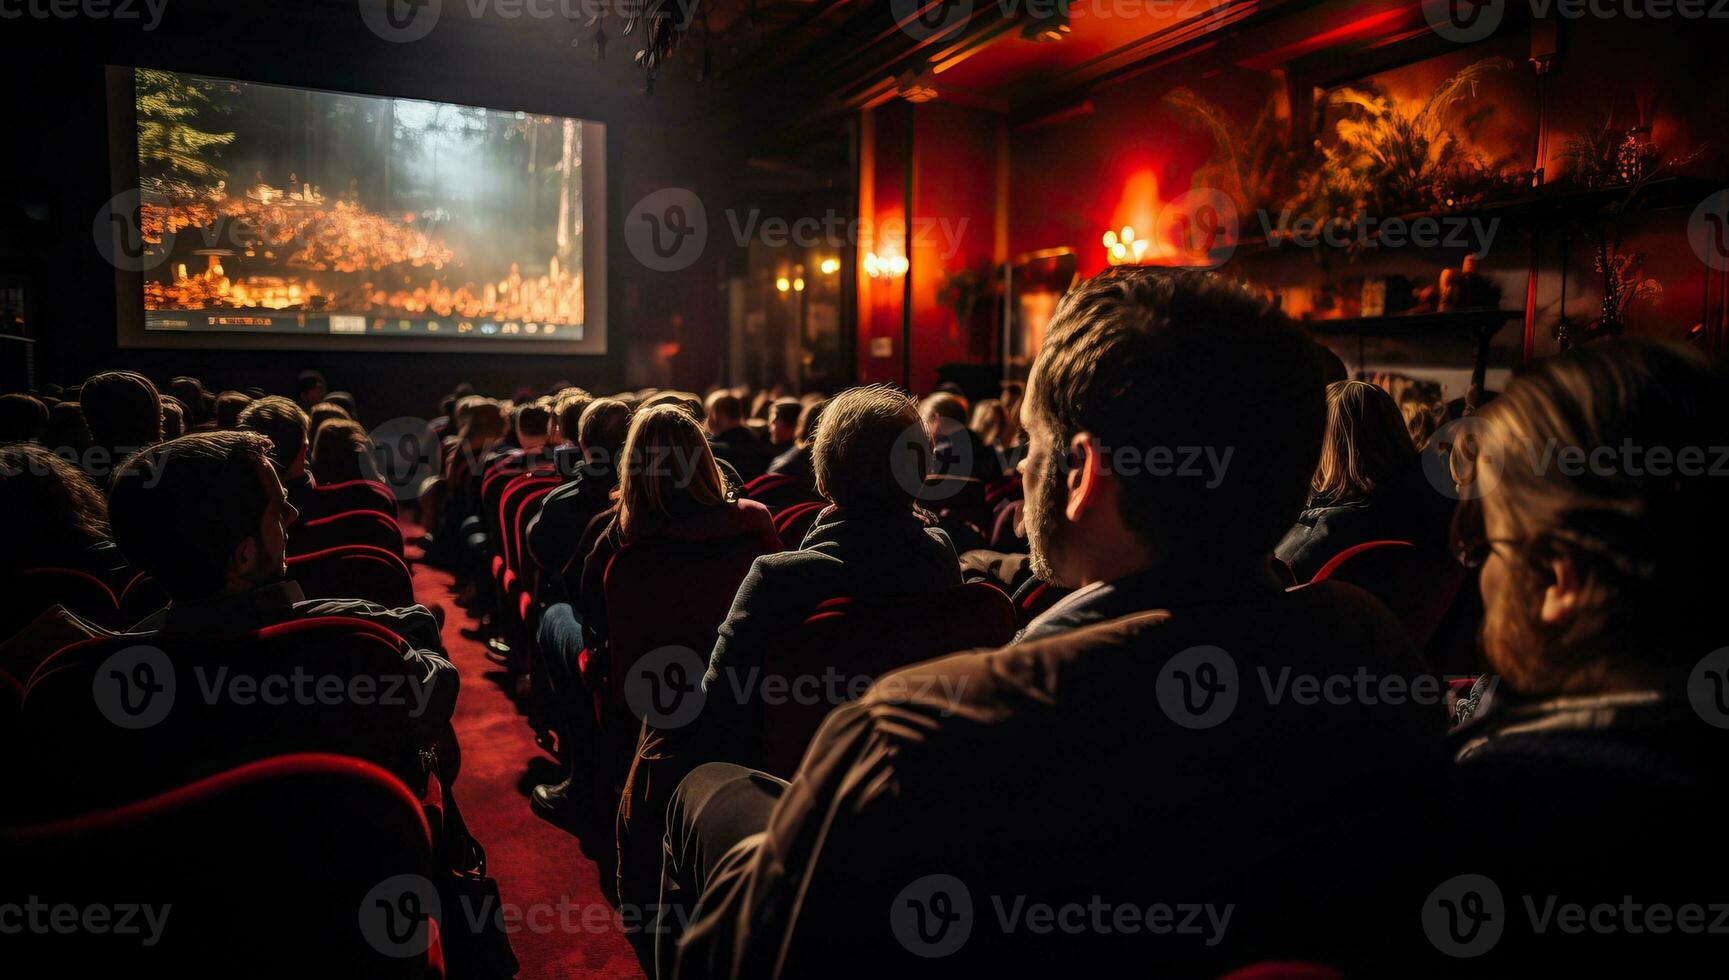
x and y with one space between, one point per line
228 407
281 421
783 423
124 413
342 453
795 461
1091 720
1369 485
310 389
732 441
23 418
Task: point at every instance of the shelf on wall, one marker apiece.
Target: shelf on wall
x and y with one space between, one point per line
1414 324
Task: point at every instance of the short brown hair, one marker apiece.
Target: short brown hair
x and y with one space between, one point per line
122 408
180 508
229 405
869 452
282 422
602 429
568 405
532 418
1176 361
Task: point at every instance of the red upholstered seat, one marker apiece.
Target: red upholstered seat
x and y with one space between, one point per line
286 866
1419 586
780 490
354 571
349 527
793 522
336 498
864 638
31 591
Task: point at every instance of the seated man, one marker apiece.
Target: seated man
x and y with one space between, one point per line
205 515
731 440
1181 765
869 544
281 421
553 533
1592 773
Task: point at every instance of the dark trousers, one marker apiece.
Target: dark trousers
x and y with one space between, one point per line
714 808
560 642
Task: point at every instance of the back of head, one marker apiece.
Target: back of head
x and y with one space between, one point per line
176 417
679 399
945 406
808 417
346 400
123 409
281 421
602 430
669 471
1603 456
22 418
725 411
323 412
228 406
1366 445
870 453
66 429
568 406
61 512
180 508
786 411
532 418
310 387
1164 368
987 421
190 391
338 450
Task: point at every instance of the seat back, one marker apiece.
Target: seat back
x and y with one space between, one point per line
792 523
864 638
140 597
273 868
349 527
160 709
519 494
337 498
670 593
780 490
354 571
31 591
1417 584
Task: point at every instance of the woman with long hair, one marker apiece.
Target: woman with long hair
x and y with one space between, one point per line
341 453
669 488
1369 485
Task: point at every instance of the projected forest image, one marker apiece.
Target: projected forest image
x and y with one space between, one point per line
315 209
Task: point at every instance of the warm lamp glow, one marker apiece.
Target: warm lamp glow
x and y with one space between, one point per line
782 284
830 266
798 284
885 266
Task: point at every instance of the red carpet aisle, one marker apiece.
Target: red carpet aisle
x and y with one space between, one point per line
540 869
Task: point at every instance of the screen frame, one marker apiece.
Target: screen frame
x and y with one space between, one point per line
129 286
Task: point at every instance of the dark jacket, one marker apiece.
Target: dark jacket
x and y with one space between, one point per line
1074 770
555 532
843 554
1407 508
1597 799
793 462
748 453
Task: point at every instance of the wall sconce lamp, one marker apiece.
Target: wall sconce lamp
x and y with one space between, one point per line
885 266
1124 248
830 266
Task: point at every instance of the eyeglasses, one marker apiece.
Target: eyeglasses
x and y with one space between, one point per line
1471 543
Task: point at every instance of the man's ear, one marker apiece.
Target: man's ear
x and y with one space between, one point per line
1564 596
1086 477
245 554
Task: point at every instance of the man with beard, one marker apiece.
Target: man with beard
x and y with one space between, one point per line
1139 781
1592 770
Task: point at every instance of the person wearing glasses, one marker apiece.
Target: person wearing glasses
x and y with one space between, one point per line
1596 505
